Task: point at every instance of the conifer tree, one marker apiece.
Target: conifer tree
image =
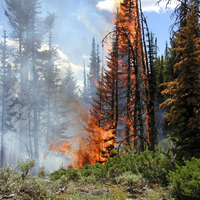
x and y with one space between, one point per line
24 19
69 97
17 15
184 90
51 79
107 98
130 65
135 78
94 73
85 91
8 101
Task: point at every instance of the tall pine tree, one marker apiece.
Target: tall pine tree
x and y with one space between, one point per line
184 90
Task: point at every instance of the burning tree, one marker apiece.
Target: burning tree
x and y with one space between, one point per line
124 102
136 72
126 90
138 66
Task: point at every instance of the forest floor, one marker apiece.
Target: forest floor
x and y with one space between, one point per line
95 191
104 191
115 192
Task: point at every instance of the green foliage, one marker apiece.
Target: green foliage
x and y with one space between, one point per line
97 170
42 173
9 179
58 173
87 180
152 166
164 144
62 182
130 179
183 92
11 182
26 167
185 180
131 171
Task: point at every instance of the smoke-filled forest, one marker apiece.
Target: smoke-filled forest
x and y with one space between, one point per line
137 105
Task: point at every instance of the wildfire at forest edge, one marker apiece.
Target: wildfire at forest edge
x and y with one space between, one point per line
98 137
86 147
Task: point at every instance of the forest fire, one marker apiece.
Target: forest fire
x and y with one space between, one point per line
127 77
88 147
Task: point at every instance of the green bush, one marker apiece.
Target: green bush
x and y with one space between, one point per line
152 166
71 174
9 180
42 173
185 180
97 170
164 144
58 174
12 182
26 167
130 179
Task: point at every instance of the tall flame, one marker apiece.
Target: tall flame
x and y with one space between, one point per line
87 146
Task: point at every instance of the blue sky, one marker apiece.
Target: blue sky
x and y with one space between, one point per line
78 21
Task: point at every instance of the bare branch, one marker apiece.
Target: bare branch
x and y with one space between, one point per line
134 135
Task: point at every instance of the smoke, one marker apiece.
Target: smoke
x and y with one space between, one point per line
53 161
87 19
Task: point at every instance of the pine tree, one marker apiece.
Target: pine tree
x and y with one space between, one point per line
135 78
150 86
131 46
184 90
24 18
69 98
8 100
51 80
33 42
85 90
93 76
17 15
105 107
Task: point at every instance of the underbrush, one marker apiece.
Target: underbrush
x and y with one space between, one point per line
147 175
185 180
150 165
19 183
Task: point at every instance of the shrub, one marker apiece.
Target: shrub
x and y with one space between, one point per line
164 144
97 170
42 173
58 174
152 166
130 179
11 182
26 167
185 180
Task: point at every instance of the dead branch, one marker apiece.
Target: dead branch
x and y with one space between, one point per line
134 135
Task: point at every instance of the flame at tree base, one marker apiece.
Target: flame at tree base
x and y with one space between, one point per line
90 147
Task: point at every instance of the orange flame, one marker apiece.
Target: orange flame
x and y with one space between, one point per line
86 147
